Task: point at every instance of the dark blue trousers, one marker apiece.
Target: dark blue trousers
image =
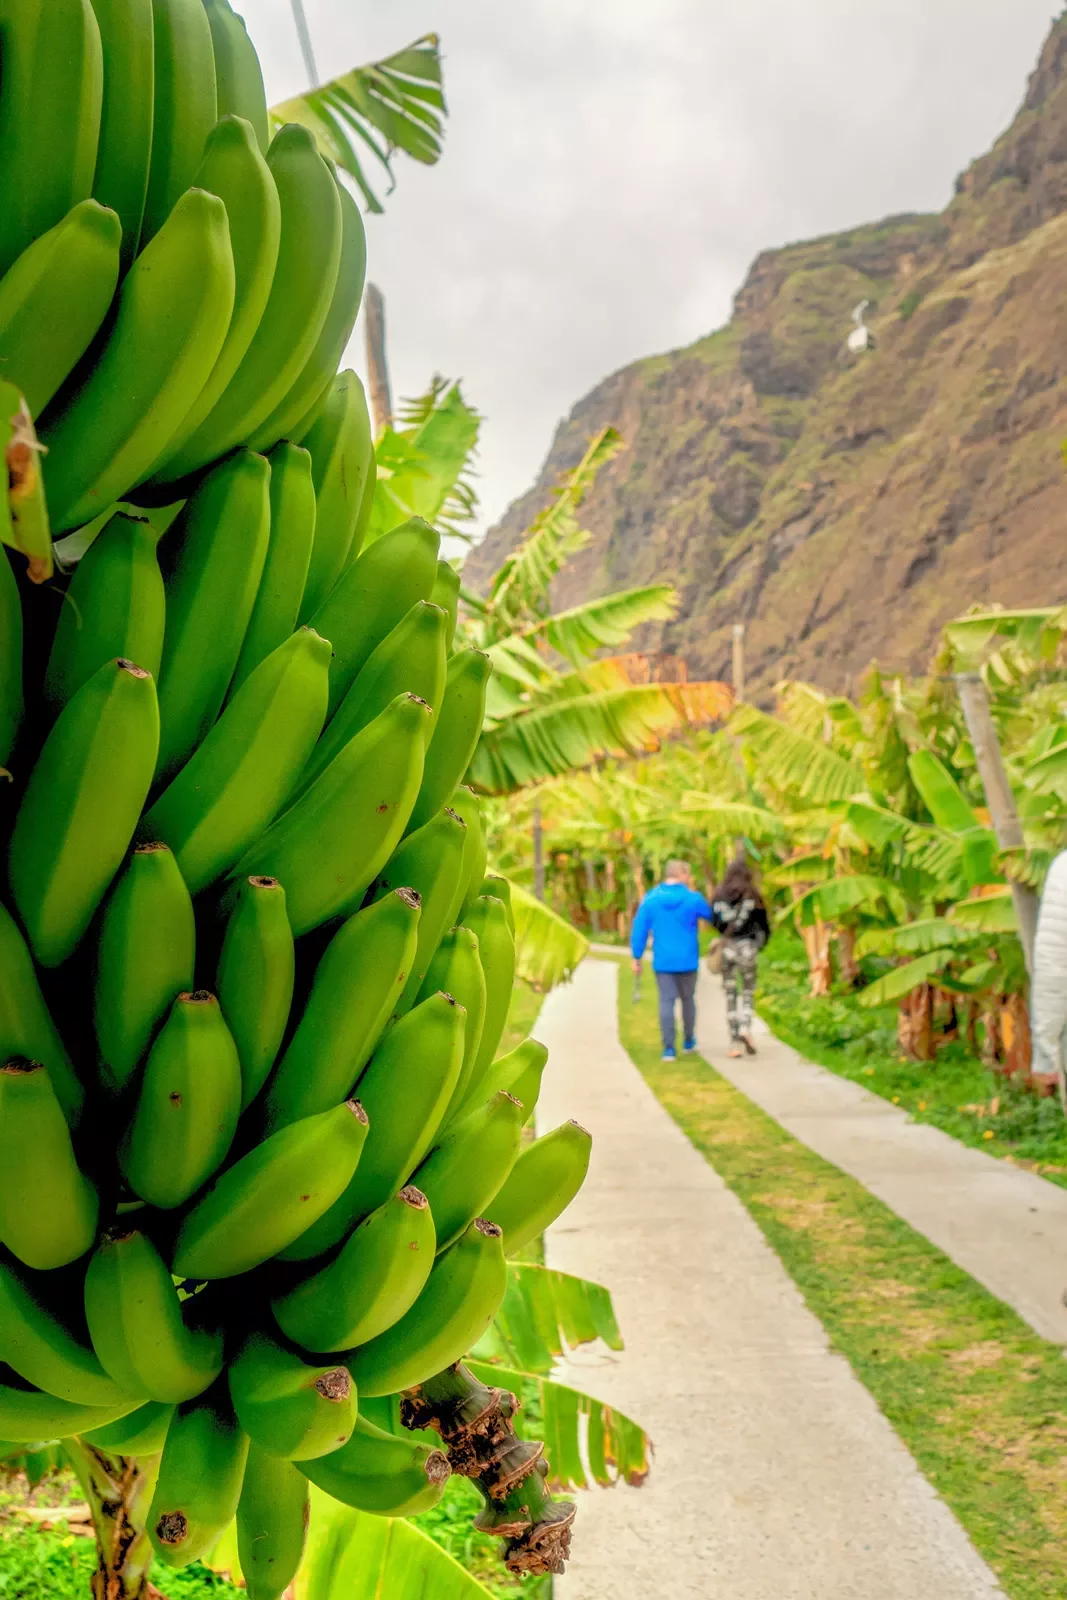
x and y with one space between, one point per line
674 986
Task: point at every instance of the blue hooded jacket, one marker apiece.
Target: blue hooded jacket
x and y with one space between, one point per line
670 913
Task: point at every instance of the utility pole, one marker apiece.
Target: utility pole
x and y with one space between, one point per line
539 852
381 400
303 33
998 795
738 672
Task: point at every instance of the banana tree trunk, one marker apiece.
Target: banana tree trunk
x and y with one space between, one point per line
847 965
915 1024
119 1491
817 944
1015 1037
591 896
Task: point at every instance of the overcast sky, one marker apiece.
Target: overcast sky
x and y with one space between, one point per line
612 166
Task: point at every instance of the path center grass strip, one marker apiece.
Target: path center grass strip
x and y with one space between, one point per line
978 1398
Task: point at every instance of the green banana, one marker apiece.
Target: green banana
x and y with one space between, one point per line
125 147
200 1477
146 957
269 1197
49 115
48 1208
256 974
292 528
498 889
27 1414
466 804
137 1324
411 658
457 728
379 1473
445 594
355 990
519 1072
140 1433
54 299
114 607
462 1296
373 595
184 107
429 861
286 1407
378 1276
341 449
236 780
312 388
172 315
233 168
272 1524
238 76
187 1106
542 1184
462 1174
328 848
308 258
405 1090
488 920
456 969
366 505
26 1026
217 550
11 696
44 1352
81 805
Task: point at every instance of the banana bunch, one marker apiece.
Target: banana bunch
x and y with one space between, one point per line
174 283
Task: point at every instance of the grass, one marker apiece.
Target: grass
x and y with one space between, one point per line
954 1093
978 1398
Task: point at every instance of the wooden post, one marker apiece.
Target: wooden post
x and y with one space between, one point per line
738 674
381 400
998 795
590 892
539 854
303 33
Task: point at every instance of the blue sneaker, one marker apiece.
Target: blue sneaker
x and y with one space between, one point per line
670 1054
689 1046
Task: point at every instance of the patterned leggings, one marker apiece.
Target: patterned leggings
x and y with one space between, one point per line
739 958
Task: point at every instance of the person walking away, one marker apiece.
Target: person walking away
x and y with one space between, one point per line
738 911
1048 987
670 913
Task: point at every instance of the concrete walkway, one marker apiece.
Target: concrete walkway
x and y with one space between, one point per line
1005 1226
776 1477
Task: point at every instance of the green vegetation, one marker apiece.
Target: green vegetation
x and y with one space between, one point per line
449 1525
909 304
976 1396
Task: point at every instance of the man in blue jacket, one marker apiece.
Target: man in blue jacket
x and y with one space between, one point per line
670 913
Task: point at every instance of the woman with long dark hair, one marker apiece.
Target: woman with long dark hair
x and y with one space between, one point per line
738 911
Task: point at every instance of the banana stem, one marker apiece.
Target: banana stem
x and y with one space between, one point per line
476 1426
119 1490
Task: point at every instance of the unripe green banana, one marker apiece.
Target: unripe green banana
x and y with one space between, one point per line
488 920
27 1414
457 728
378 1276
49 115
462 1174
328 848
292 529
238 76
411 659
125 149
141 1433
37 1345
236 780
114 607
465 802
11 698
200 1477
519 1072
542 1184
363 515
234 169
137 1324
269 1197
54 299
255 979
184 109
304 280
381 1474
187 1106
374 594
498 889
407 1087
462 1296
146 956
357 984
173 313
446 595
81 805
457 970
341 450
26 1026
429 861
217 550
312 387
272 1524
48 1208
286 1407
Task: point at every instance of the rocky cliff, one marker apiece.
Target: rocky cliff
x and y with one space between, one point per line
844 505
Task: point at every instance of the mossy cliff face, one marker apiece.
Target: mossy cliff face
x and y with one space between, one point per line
844 506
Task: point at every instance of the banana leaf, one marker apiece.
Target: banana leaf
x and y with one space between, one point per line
544 1313
547 948
421 470
913 938
989 913
902 980
604 623
856 891
794 762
